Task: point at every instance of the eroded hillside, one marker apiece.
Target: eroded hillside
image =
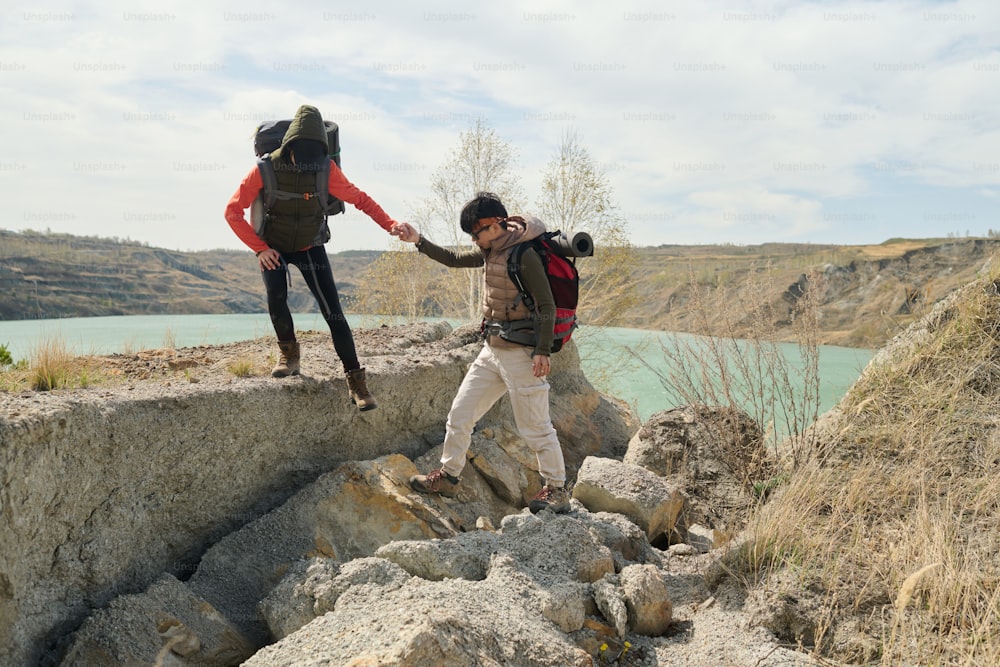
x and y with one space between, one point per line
865 294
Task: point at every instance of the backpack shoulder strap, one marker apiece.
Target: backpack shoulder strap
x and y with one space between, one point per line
514 269
270 180
323 187
273 194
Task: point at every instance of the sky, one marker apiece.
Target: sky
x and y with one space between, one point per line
713 122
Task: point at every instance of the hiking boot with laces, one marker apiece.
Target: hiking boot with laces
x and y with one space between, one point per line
436 481
357 387
288 359
552 498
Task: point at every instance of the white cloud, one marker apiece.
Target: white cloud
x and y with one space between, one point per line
136 122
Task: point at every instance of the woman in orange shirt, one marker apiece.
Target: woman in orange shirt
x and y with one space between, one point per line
294 235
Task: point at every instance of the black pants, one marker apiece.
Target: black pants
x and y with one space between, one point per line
315 268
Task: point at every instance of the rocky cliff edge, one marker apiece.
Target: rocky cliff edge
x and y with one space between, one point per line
104 490
183 515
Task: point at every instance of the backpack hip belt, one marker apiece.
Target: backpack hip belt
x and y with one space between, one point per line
521 332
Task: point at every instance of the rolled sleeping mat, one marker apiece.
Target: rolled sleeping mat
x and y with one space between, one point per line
581 245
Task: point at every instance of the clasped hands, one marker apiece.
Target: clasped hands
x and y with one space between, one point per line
540 363
404 231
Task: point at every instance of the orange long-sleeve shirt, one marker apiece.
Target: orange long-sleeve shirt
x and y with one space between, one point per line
339 187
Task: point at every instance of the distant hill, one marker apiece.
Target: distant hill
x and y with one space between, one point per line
58 275
867 293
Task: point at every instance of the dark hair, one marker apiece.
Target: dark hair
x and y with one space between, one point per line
309 154
483 205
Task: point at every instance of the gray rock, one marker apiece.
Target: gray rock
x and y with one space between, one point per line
713 455
165 620
346 514
565 605
476 496
627 541
311 588
502 471
606 485
704 539
466 556
610 601
550 559
433 623
650 609
293 602
555 547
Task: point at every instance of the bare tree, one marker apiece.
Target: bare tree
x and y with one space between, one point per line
481 161
390 287
577 197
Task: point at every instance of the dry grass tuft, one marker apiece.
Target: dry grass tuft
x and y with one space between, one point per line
882 528
242 368
50 365
895 516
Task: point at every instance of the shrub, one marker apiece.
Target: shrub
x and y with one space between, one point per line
50 365
893 524
241 368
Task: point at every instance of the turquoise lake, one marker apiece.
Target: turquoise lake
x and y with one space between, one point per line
629 379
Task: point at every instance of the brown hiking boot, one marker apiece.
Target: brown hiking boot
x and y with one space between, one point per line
436 481
551 498
288 359
360 395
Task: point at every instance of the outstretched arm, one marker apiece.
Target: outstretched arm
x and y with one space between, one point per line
453 258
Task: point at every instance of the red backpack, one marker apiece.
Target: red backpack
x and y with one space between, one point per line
564 279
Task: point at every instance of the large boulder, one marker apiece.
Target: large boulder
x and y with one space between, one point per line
713 455
312 587
347 513
433 623
647 599
167 619
607 485
521 595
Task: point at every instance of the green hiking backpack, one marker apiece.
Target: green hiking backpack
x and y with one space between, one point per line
266 139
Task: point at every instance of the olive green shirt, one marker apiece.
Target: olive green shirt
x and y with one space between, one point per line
532 272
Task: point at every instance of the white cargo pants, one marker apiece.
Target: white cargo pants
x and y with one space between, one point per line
495 371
